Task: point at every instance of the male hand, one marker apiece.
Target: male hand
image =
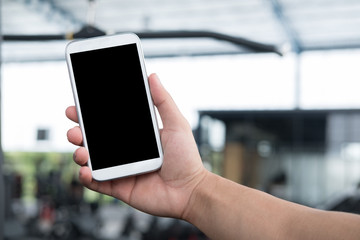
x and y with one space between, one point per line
167 191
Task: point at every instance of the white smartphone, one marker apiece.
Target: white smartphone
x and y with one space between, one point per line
114 106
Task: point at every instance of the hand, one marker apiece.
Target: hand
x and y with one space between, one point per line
167 191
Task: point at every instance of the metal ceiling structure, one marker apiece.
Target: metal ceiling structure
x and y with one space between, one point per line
297 25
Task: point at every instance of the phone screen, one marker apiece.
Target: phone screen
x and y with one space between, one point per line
114 106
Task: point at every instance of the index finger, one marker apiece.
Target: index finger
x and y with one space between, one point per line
72 114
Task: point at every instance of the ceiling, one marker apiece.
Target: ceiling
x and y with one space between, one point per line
297 25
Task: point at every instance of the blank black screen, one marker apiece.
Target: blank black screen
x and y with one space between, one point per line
114 106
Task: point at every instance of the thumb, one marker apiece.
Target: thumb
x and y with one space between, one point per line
169 112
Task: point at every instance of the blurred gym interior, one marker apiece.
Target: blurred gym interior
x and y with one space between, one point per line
270 88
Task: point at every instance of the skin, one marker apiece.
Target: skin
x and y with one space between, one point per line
222 209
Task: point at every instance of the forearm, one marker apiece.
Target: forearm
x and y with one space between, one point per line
223 209
316 224
226 210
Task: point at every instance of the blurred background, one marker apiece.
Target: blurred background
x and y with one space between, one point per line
270 88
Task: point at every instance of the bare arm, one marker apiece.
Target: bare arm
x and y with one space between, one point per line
226 210
220 208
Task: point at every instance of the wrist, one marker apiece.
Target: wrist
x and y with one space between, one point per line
198 197
211 207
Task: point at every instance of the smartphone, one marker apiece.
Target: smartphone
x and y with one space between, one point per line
114 106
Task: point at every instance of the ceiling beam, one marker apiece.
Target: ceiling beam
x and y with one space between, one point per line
289 31
49 9
90 31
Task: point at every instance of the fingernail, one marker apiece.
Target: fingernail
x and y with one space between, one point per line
157 77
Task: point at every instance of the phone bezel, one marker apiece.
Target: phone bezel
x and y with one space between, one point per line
129 169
